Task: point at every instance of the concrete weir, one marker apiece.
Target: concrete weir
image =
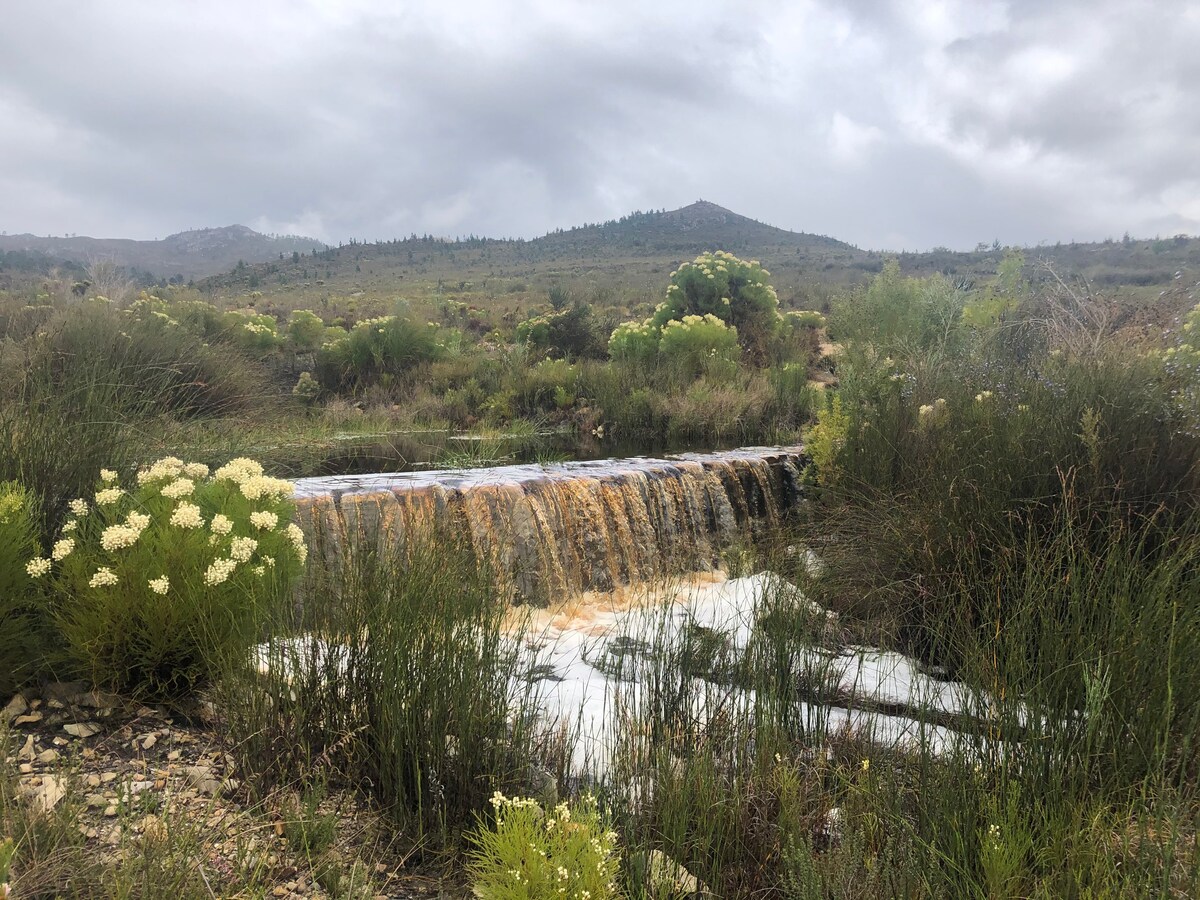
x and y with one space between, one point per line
564 528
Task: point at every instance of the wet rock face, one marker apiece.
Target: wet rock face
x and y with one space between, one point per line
561 529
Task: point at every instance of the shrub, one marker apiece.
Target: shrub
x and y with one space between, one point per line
375 348
571 332
735 291
150 586
634 343
306 330
531 853
806 318
699 344
21 625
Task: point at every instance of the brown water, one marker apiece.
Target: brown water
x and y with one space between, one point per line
556 530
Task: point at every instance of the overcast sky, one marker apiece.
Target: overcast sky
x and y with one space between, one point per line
892 125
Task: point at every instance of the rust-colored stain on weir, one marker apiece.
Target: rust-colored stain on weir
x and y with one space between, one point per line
554 532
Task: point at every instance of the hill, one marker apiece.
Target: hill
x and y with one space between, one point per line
183 256
629 260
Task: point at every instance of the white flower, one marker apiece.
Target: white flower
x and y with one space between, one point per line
160 585
259 571
37 567
62 549
195 470
78 507
104 577
70 526
117 537
982 396
238 470
166 468
108 476
219 571
137 520
258 486
181 487
242 548
264 520
221 524
187 515
108 496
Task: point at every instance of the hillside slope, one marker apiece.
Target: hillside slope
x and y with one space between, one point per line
186 255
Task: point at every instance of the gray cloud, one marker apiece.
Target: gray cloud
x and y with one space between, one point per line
890 124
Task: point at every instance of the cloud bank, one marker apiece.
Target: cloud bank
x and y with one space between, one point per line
901 125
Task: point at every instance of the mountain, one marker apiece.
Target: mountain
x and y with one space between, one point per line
631 256
184 256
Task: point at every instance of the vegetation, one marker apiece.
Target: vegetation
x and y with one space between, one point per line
1003 484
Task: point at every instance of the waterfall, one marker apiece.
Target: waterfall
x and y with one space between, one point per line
556 530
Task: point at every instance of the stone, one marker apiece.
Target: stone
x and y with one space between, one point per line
92 780
149 741
47 756
28 719
28 750
82 729
15 707
47 795
203 779
96 801
666 878
110 811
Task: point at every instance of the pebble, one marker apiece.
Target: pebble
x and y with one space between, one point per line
47 756
82 729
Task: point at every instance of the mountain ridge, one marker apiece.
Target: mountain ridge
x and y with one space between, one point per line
182 256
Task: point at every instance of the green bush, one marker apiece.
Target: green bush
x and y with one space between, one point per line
149 586
534 854
571 332
306 330
699 345
735 291
635 343
374 349
806 318
22 626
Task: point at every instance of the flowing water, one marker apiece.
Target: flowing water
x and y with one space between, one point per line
557 530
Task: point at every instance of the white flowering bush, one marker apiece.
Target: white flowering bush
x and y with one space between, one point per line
530 853
149 582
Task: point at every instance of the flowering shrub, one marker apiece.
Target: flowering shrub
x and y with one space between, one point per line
735 291
533 854
378 347
150 583
805 318
19 619
634 342
699 344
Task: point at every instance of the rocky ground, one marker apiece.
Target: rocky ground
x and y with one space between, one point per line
135 782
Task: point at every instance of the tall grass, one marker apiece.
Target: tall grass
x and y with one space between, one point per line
392 673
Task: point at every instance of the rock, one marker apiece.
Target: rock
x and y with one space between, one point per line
203 780
665 878
96 801
28 750
25 768
92 780
29 719
47 756
82 729
63 691
110 810
15 707
96 700
47 795
149 741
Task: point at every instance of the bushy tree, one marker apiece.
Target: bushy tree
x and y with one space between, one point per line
733 290
306 330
